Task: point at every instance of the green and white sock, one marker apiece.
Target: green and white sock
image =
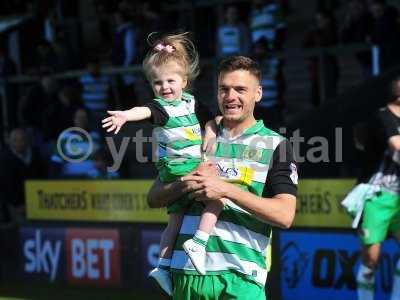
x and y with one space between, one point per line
365 283
201 238
164 263
396 283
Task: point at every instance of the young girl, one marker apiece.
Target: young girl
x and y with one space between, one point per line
170 66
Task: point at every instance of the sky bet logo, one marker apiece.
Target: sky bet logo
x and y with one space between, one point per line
93 256
80 256
42 251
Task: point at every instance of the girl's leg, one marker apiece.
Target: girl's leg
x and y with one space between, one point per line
161 273
195 247
209 216
169 235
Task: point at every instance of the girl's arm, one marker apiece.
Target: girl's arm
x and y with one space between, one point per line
210 135
138 113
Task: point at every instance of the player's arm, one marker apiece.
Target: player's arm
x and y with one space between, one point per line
162 194
278 209
278 204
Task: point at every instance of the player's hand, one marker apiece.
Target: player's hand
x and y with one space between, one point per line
205 188
117 119
206 168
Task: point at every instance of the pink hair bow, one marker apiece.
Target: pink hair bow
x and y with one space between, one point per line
161 47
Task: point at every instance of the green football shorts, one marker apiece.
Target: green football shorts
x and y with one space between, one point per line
381 215
227 286
169 170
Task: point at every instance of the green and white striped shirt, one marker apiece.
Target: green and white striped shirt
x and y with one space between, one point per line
180 136
239 241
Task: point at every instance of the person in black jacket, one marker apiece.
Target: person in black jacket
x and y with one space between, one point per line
19 162
381 212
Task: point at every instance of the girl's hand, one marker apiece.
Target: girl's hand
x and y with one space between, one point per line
210 136
115 121
209 142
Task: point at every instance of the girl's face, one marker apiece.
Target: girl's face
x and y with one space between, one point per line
167 81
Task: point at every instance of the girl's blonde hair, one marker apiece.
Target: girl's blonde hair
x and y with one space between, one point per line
172 47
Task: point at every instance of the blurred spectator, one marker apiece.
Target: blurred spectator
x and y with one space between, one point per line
385 32
266 20
101 162
150 21
286 7
124 54
104 10
8 68
64 54
329 5
232 36
58 115
269 109
96 92
19 162
38 98
128 7
46 59
74 148
357 28
323 34
50 24
13 7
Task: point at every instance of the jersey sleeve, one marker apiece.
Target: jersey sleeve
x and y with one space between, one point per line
159 115
282 176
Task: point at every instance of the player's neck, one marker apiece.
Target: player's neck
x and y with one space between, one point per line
236 128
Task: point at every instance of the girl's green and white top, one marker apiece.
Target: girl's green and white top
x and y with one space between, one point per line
239 241
178 132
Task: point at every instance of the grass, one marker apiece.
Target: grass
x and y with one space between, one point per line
41 291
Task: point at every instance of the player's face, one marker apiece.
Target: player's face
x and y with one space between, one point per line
238 92
168 82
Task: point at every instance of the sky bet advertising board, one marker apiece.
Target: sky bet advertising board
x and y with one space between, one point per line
324 266
78 256
149 249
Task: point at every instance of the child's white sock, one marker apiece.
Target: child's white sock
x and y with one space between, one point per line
365 283
396 282
201 238
164 263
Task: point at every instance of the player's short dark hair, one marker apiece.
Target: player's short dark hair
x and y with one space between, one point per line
235 63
